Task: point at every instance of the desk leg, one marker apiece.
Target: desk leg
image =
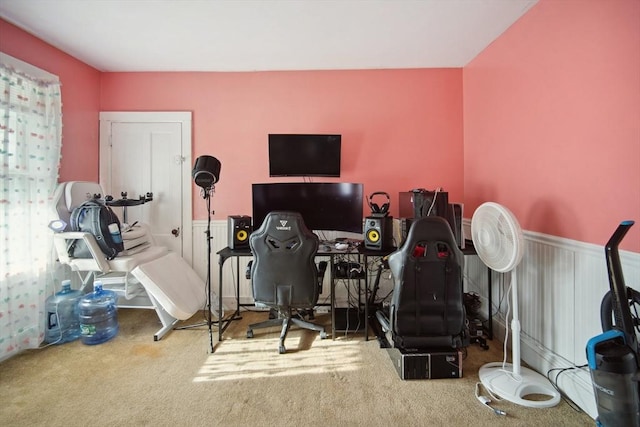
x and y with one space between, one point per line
366 299
221 263
332 298
223 324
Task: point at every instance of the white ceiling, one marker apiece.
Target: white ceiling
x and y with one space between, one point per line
258 35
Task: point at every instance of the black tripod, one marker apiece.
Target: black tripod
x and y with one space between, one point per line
207 198
206 192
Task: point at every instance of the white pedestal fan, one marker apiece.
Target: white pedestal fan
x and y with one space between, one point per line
499 242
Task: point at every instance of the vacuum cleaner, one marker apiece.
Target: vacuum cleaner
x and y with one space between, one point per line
613 356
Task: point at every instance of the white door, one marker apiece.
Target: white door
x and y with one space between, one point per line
144 153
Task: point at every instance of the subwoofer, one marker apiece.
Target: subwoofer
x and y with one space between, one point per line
378 233
239 227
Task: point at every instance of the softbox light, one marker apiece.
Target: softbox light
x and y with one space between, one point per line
206 171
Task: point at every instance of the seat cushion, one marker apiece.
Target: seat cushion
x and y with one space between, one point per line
174 284
129 262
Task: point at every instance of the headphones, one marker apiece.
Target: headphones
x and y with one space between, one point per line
379 210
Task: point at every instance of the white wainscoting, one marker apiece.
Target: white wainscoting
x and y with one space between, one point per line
561 283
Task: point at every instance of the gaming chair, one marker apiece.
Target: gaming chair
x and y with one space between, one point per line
283 273
427 307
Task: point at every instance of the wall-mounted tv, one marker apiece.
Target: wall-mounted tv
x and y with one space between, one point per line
323 206
304 155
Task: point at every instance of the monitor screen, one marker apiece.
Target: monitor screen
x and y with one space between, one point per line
323 206
304 155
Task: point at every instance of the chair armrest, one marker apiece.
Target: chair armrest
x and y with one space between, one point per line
60 241
322 268
247 272
384 321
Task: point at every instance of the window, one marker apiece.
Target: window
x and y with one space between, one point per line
30 143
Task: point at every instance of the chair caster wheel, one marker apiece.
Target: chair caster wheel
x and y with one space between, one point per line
323 335
281 349
249 333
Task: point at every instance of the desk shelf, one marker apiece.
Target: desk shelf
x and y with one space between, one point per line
347 268
357 313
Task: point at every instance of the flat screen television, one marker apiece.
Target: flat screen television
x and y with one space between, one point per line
323 206
304 155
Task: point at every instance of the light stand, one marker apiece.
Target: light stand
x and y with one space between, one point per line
206 172
207 198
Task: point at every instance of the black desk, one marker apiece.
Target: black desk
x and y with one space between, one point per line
226 253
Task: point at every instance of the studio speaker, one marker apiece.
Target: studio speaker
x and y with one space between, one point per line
239 227
378 232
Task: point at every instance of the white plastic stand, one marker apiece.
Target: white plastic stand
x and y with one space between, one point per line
503 382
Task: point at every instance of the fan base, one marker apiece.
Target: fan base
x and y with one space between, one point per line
505 384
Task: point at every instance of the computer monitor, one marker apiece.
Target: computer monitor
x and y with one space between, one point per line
323 206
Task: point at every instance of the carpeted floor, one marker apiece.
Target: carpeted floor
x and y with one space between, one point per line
134 381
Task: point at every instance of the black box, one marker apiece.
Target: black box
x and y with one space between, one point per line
348 319
426 364
417 204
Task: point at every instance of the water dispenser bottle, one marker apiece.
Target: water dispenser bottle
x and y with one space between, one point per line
98 315
114 230
62 321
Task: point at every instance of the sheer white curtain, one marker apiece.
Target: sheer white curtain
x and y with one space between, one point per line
30 136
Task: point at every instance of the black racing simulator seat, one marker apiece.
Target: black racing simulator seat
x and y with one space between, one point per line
425 328
284 275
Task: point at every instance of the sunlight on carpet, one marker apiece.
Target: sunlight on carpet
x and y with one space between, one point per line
259 358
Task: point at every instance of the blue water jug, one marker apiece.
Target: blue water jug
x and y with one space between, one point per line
98 315
62 323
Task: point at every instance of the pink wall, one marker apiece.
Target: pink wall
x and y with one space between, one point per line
551 123
552 120
401 129
80 99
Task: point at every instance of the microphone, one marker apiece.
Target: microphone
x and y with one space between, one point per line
206 171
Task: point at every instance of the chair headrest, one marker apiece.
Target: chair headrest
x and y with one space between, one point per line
431 228
78 192
69 195
287 228
284 223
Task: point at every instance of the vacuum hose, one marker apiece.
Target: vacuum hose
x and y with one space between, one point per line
606 308
623 320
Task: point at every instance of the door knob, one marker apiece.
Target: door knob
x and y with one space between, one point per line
176 232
